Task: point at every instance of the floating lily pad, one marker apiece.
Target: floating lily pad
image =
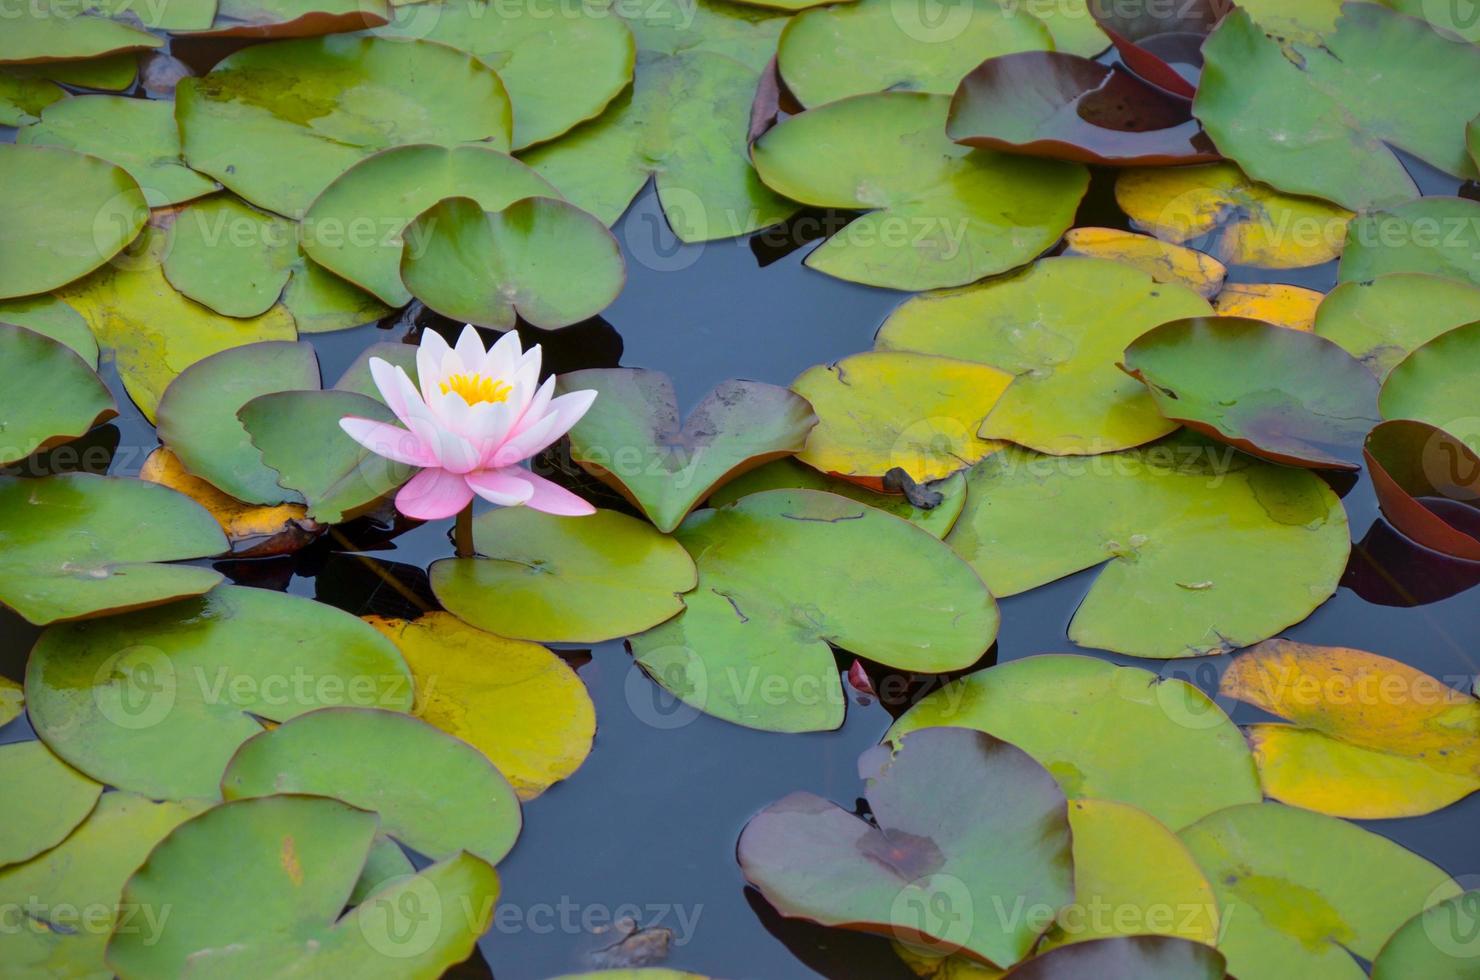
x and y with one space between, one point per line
55 30
82 545
294 18
1126 958
1052 104
265 882
23 98
684 124
65 215
198 415
1204 551
945 845
1160 41
564 579
1257 91
1301 892
783 577
633 439
884 410
158 701
1291 307
1383 320
1369 738
1437 944
1438 236
745 33
1162 261
50 317
1285 395
1428 484
492 269
138 135
358 378
1436 384
561 66
84 874
1105 732
1067 396
1219 210
394 187
44 800
12 701
434 793
277 123
516 702
940 214
253 530
48 395
110 73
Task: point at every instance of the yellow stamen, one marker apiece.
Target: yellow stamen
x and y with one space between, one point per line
475 388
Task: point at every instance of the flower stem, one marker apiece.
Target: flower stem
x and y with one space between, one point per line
462 533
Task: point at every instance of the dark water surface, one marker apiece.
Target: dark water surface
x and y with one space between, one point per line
647 828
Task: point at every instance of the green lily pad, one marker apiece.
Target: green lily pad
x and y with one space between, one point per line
539 259
198 415
941 214
277 123
82 545
357 376
84 874
22 98
258 887
564 579
294 18
138 135
868 46
56 30
1126 958
633 439
65 215
1436 384
684 124
434 793
787 474
1284 395
158 701
240 262
1363 92
1068 397
561 67
12 701
52 318
1204 551
1105 732
944 847
1439 236
110 73
1383 320
48 394
1439 943
383 194
746 33
1302 892
784 576
45 799
1456 18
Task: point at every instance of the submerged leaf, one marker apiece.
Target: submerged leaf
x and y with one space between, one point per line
253 530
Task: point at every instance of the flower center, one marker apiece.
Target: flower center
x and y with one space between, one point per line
475 388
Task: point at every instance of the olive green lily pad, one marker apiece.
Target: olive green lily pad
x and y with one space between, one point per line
784 576
684 124
564 579
945 846
1285 395
1105 732
940 214
277 123
1457 19
1366 90
198 415
258 887
84 874
1438 236
1059 328
561 67
434 793
873 46
56 30
1436 384
22 98
747 34
384 193
110 73
539 259
1439 943
1126 958
12 701
65 215
82 545
357 376
158 701
44 800
1301 892
294 18
1383 320
138 135
1203 550
48 395
633 439
50 317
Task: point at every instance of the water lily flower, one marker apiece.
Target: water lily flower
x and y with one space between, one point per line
476 417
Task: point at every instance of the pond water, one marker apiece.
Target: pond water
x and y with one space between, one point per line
647 827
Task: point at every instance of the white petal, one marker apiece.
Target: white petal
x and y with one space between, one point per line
507 488
430 355
390 441
502 356
470 349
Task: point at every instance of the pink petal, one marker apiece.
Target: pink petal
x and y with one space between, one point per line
507 488
390 441
563 412
554 499
390 388
431 354
433 494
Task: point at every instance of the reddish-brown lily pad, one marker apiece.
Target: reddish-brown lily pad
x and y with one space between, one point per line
1428 485
1286 395
1160 41
1046 103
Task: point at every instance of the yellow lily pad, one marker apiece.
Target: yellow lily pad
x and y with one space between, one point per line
254 530
1162 261
1292 307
